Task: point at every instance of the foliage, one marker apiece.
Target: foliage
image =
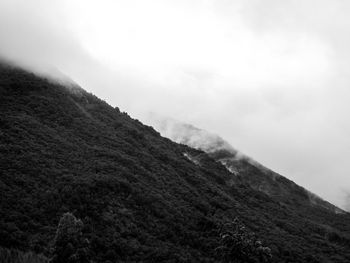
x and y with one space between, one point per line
16 256
69 243
239 245
137 195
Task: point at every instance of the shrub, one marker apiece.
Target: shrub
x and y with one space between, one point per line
69 244
238 245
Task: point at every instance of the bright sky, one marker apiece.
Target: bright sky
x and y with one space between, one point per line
271 77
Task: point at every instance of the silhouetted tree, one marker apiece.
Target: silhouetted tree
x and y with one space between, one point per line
69 244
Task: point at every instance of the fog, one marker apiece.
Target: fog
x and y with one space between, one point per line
270 77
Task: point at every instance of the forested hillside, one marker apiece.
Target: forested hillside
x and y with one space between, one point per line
139 196
245 169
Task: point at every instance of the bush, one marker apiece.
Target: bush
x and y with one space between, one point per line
238 245
69 244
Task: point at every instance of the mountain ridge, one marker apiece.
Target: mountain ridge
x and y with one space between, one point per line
221 151
139 197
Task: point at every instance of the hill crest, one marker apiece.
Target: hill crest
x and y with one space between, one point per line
139 197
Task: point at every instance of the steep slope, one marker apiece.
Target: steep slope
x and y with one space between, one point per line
140 196
245 169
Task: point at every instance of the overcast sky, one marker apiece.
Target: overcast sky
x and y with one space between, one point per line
271 77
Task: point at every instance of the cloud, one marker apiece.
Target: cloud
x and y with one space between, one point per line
271 77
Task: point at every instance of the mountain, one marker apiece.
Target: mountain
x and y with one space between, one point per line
140 197
245 169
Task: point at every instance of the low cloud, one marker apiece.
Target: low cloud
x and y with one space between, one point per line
189 135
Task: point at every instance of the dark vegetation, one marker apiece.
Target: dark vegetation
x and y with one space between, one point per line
137 196
260 178
241 246
70 246
17 256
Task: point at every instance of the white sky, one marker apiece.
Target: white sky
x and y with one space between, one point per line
271 77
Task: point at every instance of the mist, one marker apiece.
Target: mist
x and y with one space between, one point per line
270 77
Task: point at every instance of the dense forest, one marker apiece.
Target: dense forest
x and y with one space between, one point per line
245 169
82 180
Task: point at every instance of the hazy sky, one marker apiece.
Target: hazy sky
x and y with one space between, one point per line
271 77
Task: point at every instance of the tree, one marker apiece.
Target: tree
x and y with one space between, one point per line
69 245
238 245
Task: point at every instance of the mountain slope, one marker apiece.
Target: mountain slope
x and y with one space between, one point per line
245 169
141 197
